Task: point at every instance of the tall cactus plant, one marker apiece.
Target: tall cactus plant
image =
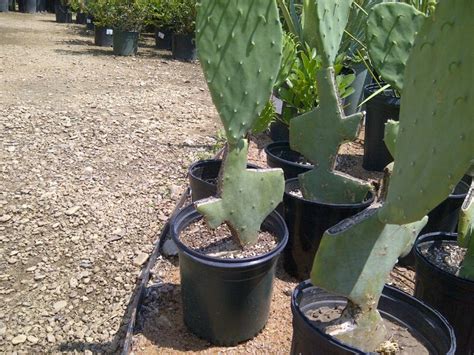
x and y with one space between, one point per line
318 134
240 45
434 147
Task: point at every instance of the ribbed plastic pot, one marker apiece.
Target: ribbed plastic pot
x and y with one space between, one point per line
395 305
11 5
90 23
452 296
81 18
163 38
443 218
103 37
29 6
41 5
4 5
63 12
279 131
125 43
379 110
362 79
183 47
280 155
307 221
226 301
203 175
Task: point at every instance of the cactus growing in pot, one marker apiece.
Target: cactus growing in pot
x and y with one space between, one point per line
435 135
240 45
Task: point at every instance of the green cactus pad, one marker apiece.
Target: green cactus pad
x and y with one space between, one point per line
390 135
324 22
466 235
318 135
435 143
367 250
246 196
390 34
240 44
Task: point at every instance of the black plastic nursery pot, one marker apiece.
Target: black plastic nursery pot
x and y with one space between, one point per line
90 23
4 5
279 131
362 79
81 18
381 108
426 324
125 43
203 176
63 12
11 5
280 155
163 38
183 47
29 6
103 37
41 5
452 296
443 218
226 301
307 221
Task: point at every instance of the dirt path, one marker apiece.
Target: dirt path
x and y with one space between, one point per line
93 153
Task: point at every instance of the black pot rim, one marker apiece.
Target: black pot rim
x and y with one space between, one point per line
387 96
461 195
439 236
367 202
289 162
191 211
391 291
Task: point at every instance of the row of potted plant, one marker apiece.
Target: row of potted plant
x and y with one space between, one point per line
244 53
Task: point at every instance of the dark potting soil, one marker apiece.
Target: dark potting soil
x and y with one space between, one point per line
446 255
219 243
399 339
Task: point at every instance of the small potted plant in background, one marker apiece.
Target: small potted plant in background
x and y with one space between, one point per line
432 152
102 12
162 19
79 7
183 13
128 18
240 52
62 9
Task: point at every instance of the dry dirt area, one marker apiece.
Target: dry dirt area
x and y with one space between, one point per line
93 157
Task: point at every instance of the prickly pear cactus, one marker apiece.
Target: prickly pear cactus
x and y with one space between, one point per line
433 148
390 34
318 134
466 235
239 46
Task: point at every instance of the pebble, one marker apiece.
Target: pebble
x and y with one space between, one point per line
59 305
140 259
5 218
32 339
51 338
19 339
73 283
72 211
170 248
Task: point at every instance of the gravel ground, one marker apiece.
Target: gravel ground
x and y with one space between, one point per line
91 162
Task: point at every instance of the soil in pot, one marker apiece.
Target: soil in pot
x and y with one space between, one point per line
163 39
307 221
443 218
103 37
437 262
203 176
184 47
379 109
231 304
280 155
125 43
416 328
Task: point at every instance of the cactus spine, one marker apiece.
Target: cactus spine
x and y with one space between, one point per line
318 134
239 46
433 148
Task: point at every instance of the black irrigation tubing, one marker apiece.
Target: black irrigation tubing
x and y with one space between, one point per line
144 276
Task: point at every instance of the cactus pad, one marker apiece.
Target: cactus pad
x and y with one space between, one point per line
318 135
435 143
240 44
466 235
247 196
324 22
390 135
390 34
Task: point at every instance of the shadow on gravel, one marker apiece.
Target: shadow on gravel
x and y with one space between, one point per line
76 42
86 51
